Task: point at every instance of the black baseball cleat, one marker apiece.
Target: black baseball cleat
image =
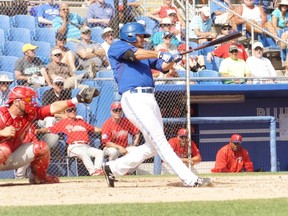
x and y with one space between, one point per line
110 178
203 182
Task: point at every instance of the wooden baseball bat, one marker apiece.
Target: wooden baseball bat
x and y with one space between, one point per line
223 39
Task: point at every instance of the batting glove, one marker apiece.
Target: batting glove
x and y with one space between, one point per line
166 56
177 57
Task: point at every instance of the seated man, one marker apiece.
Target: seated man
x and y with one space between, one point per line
5 82
233 157
100 14
46 13
234 67
220 15
91 56
201 26
77 130
180 146
115 131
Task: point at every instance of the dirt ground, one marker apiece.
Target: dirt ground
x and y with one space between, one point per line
141 189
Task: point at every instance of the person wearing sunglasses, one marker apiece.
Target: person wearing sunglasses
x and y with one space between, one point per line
18 144
77 132
5 82
180 145
233 67
115 132
90 55
260 66
233 157
108 36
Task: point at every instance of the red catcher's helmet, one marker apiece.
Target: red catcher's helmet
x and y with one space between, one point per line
236 138
20 92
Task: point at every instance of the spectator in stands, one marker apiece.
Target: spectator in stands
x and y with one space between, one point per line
280 15
68 56
180 145
255 14
223 50
226 29
76 130
201 26
196 63
161 12
177 28
234 67
46 13
166 45
115 131
30 70
233 157
89 2
165 26
220 15
56 68
5 82
121 19
67 23
100 14
260 66
91 55
283 46
108 36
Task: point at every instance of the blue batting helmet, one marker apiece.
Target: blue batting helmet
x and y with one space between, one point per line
129 31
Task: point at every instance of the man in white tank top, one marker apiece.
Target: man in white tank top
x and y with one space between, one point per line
256 14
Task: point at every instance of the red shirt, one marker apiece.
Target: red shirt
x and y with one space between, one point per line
229 161
118 132
223 51
75 129
182 151
22 124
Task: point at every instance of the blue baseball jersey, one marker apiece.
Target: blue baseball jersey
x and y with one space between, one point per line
128 74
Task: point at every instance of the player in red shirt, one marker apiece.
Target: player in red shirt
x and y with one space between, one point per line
115 131
18 149
233 157
180 146
78 140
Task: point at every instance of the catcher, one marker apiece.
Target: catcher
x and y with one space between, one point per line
16 119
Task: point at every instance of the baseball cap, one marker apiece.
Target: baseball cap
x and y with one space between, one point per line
84 29
107 29
58 79
5 78
60 36
167 34
166 20
257 44
56 51
236 138
27 47
226 25
233 47
183 132
206 11
142 22
169 11
116 105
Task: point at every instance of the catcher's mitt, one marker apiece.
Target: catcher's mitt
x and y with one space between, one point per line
86 95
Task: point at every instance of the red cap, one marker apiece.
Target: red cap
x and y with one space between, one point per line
120 7
236 138
183 132
116 105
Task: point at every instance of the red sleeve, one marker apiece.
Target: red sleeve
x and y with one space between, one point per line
106 133
43 112
132 128
248 165
195 150
245 55
172 144
221 161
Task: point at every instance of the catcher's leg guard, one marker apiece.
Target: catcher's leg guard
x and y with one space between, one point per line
5 153
40 164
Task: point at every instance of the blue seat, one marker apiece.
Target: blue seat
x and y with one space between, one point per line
43 51
104 74
7 63
209 73
13 48
20 34
24 21
194 45
206 50
5 23
71 45
45 34
96 34
152 25
2 36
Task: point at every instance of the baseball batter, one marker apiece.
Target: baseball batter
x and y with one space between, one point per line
132 66
17 148
78 141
